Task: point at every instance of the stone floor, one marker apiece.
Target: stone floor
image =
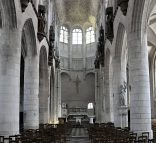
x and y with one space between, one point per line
78 135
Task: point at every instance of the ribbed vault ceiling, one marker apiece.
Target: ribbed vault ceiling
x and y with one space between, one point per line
77 12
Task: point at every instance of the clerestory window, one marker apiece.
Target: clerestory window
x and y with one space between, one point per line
77 36
64 34
90 35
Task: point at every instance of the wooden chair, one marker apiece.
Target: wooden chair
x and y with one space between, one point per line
142 139
1 139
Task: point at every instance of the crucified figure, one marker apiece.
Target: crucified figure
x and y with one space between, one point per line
77 82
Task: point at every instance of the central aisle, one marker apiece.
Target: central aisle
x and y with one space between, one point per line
79 135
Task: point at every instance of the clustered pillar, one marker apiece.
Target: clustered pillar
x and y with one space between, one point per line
140 105
97 96
10 53
31 94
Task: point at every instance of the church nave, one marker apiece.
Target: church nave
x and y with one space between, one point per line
77 71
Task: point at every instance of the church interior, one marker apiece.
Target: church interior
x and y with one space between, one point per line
77 71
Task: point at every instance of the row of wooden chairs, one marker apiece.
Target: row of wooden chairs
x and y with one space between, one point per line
154 131
108 133
47 133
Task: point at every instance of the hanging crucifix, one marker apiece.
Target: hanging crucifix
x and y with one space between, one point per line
77 82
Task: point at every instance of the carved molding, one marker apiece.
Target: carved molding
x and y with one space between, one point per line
123 5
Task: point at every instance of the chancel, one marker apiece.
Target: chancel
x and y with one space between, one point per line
77 71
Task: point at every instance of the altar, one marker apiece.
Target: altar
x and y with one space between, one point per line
78 119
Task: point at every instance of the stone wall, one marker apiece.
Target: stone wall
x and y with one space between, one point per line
78 89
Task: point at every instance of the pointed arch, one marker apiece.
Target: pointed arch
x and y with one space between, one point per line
29 38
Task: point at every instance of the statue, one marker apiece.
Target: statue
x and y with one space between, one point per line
57 62
41 19
123 5
41 22
57 59
109 24
123 89
51 35
51 45
24 4
100 52
96 63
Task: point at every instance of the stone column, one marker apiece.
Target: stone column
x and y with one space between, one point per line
108 98
10 53
55 100
43 92
124 108
59 91
119 73
70 49
31 93
43 114
116 85
52 114
140 105
49 121
57 96
97 96
123 112
49 95
153 99
84 49
43 105
101 96
152 74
